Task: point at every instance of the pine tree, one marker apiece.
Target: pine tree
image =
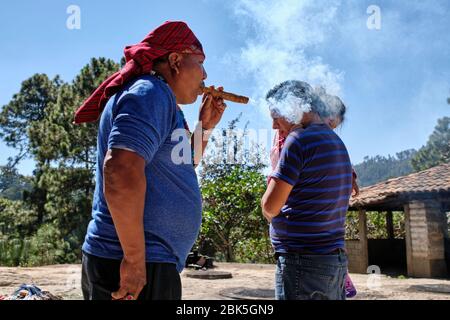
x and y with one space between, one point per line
38 123
437 149
69 179
26 108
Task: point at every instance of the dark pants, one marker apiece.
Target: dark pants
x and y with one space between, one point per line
311 277
100 277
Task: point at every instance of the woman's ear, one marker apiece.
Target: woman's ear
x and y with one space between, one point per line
331 123
175 61
335 123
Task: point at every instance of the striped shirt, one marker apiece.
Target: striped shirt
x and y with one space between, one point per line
316 163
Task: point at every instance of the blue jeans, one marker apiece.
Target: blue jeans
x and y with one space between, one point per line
311 277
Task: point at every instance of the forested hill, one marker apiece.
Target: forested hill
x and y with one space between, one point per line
376 169
435 152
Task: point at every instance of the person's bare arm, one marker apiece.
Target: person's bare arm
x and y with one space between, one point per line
124 189
275 198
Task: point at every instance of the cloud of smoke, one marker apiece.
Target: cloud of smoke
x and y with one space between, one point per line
283 33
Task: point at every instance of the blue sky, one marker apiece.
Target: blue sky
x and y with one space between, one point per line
395 81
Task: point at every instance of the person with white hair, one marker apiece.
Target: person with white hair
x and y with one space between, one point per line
307 197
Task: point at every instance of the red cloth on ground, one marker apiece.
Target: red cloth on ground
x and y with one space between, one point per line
172 36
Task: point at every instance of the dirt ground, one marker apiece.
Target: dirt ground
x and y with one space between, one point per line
249 281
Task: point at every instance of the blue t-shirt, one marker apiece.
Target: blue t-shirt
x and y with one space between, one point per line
316 163
143 118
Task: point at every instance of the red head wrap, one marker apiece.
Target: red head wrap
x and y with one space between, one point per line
172 36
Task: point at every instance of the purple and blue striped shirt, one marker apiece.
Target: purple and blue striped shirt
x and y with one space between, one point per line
316 163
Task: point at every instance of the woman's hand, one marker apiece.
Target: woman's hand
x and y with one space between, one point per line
211 110
133 278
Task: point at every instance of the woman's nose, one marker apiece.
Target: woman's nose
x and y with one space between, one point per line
205 75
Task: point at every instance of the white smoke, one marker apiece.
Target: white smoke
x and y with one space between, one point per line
283 35
290 108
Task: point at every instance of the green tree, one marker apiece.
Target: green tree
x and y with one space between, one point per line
47 247
26 108
17 224
437 149
67 205
376 169
376 225
55 137
13 184
232 187
38 122
16 218
68 182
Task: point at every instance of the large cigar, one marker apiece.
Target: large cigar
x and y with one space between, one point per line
225 95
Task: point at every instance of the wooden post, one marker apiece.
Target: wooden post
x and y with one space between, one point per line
390 225
408 241
363 239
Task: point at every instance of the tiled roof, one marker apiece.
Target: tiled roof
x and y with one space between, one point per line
436 179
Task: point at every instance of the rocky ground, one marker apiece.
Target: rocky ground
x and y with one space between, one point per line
249 281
